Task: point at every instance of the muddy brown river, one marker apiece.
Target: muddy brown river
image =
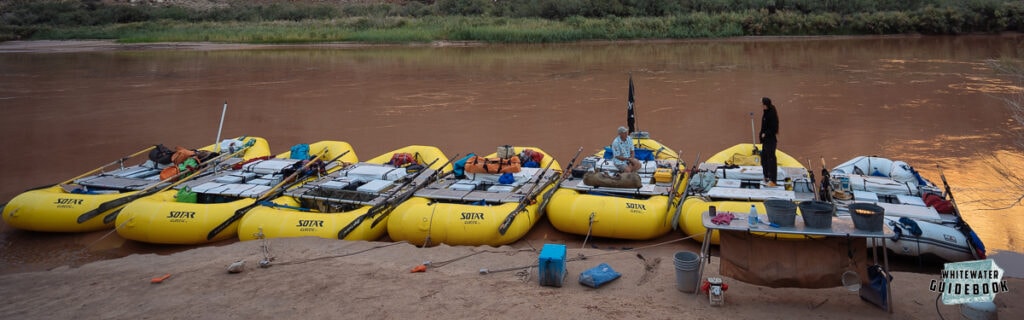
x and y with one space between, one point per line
68 107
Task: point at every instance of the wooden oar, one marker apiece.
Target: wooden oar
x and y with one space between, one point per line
527 198
107 206
753 136
558 184
961 223
270 193
810 173
674 184
275 205
95 170
378 208
824 189
686 192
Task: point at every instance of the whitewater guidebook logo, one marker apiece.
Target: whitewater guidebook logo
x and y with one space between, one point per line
971 281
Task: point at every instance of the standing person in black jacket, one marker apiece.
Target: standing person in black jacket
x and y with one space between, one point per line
769 141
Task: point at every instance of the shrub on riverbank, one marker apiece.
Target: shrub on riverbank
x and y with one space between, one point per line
496 21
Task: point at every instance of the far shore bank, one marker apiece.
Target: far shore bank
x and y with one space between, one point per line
62 46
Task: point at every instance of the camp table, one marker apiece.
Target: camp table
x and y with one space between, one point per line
842 227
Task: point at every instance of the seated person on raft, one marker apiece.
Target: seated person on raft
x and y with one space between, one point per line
622 152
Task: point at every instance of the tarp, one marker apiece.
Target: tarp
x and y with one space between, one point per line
780 263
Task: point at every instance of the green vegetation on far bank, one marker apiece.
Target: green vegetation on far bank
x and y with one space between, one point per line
513 21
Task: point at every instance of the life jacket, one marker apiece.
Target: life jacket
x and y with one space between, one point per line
168 172
188 165
181 154
478 164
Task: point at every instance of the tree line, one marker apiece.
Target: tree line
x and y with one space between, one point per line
23 18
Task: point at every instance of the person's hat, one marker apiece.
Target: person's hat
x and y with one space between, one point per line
623 130
766 101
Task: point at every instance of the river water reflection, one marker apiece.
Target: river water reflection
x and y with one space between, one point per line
927 100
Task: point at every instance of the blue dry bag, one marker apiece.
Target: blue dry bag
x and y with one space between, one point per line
459 167
599 275
506 178
300 152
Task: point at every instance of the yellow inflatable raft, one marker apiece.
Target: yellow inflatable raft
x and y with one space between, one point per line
476 209
325 207
161 218
635 213
732 180
83 203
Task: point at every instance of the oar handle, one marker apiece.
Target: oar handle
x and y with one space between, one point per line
122 159
688 175
977 250
674 183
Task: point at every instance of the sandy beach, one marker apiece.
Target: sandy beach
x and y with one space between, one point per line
329 279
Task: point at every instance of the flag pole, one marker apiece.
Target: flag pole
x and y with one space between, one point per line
630 114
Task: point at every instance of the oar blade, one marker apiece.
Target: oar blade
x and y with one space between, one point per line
112 216
224 225
106 206
387 211
507 223
352 226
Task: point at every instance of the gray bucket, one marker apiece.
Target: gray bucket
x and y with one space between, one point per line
817 214
687 263
781 212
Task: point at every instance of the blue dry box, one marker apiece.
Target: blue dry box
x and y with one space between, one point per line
551 265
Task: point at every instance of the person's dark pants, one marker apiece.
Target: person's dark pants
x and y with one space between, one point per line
768 161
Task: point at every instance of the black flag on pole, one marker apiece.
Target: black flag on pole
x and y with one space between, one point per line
630 117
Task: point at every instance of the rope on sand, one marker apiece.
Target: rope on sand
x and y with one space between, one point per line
264 249
590 227
446 262
108 234
342 255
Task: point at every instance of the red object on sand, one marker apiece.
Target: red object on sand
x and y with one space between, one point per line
160 279
419 268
